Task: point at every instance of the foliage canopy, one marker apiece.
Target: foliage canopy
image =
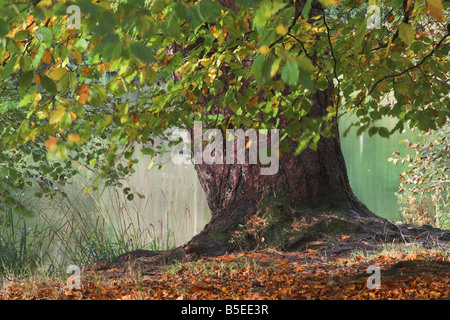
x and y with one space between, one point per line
64 91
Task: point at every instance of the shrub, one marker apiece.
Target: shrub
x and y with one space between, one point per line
423 194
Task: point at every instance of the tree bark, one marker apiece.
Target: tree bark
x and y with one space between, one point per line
314 178
313 182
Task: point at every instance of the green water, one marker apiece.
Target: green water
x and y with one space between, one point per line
373 179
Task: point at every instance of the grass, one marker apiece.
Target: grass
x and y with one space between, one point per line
395 250
87 232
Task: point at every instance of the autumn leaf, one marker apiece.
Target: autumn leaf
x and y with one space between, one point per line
52 144
85 71
57 115
264 49
57 74
73 116
74 138
253 101
83 93
282 30
436 10
47 57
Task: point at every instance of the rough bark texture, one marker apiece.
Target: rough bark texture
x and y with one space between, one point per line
312 178
314 182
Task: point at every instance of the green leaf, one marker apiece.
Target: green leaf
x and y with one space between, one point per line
209 10
48 84
44 34
62 52
290 73
97 95
181 11
3 172
9 67
322 83
406 33
306 69
25 63
12 46
65 121
142 52
25 81
4 28
306 9
81 45
21 35
383 132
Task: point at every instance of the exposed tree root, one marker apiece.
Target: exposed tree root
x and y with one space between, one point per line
280 225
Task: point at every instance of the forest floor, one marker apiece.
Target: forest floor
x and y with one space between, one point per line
406 272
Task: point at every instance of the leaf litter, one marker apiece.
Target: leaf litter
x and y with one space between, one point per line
266 274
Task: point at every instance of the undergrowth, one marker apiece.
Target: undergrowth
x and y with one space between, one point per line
77 233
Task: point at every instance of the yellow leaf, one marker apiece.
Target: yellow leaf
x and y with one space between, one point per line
328 3
250 46
83 92
191 96
151 163
63 100
74 138
166 60
253 101
44 3
275 67
47 57
101 68
435 7
282 30
76 55
57 114
57 74
382 86
406 33
204 62
37 80
264 49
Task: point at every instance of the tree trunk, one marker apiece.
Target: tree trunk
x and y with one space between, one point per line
314 178
250 210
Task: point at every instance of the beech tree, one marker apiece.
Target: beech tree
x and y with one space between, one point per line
295 66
